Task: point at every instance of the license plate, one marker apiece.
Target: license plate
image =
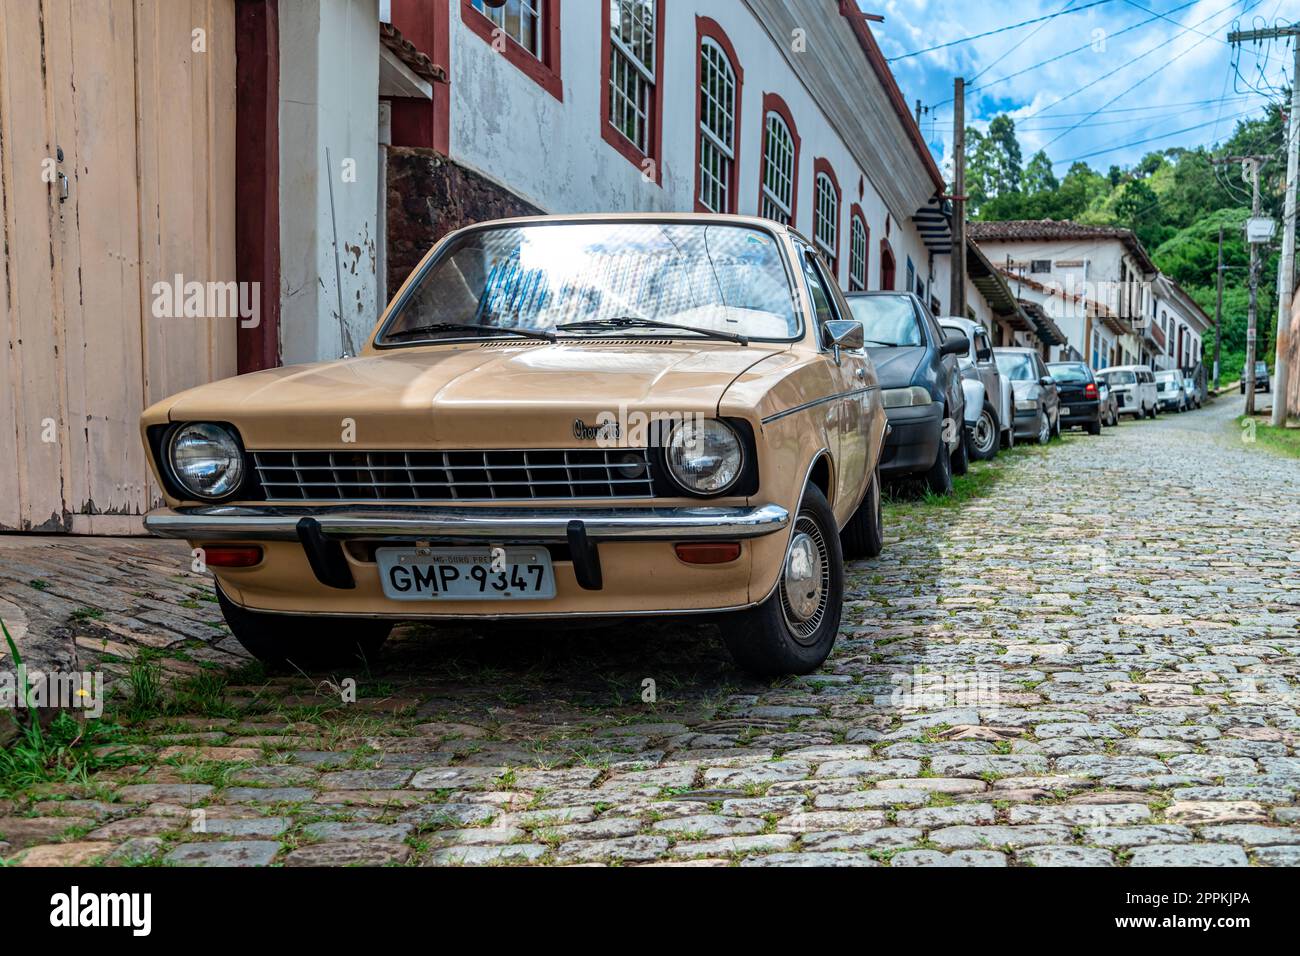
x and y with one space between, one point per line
1065 412
466 574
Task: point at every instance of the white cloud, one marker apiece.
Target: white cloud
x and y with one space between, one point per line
1186 66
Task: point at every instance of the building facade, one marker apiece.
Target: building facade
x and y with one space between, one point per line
779 108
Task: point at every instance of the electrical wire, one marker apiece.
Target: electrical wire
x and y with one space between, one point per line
989 33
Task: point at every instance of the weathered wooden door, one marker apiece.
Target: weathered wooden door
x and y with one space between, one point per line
117 171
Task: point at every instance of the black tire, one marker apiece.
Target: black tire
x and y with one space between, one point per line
960 455
285 642
1094 428
985 436
1044 428
864 535
1056 428
780 636
939 478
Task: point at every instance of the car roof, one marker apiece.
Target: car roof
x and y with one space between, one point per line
869 293
1125 368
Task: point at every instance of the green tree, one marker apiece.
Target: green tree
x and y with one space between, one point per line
1039 177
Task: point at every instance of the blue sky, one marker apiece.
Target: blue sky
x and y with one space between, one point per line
1152 67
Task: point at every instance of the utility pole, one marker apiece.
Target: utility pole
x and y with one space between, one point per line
1218 319
1286 269
958 295
1253 163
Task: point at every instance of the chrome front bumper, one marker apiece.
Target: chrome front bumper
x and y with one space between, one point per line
338 523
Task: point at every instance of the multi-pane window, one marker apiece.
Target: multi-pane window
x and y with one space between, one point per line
826 224
778 171
632 79
857 255
717 128
520 20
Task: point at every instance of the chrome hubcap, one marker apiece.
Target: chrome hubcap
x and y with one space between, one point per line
805 580
1045 430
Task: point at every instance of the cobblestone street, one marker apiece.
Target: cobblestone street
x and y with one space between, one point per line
1115 686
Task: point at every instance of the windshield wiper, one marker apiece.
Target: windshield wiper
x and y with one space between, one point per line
543 334
887 345
629 322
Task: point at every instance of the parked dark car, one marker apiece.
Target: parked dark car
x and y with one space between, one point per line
920 383
1080 398
1037 401
1262 381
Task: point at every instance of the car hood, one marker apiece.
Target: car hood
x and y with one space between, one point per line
896 368
1026 390
494 394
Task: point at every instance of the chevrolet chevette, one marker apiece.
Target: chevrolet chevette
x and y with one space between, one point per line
557 418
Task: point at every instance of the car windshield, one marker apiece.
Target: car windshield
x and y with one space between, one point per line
888 320
1070 374
1261 368
1171 377
1017 366
1119 378
543 276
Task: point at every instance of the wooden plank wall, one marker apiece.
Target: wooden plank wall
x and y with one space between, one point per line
146 125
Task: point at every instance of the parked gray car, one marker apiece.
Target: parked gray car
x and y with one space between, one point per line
989 416
1037 400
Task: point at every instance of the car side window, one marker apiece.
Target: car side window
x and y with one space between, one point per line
822 298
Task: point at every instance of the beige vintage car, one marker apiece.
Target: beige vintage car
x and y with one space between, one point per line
557 418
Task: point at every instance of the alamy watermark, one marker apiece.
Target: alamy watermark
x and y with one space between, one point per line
39 690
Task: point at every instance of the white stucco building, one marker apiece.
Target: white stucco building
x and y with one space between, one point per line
1101 287
780 108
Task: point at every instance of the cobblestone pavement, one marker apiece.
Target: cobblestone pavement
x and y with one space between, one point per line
1092 664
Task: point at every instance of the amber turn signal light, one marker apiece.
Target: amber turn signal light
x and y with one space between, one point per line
225 556
712 553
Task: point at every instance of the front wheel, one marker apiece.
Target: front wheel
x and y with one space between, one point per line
984 436
961 455
281 641
793 631
939 478
1044 428
864 535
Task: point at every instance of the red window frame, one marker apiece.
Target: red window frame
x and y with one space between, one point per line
857 215
888 267
773 103
706 28
823 165
544 72
608 133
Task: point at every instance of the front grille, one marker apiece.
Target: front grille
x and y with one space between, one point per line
530 475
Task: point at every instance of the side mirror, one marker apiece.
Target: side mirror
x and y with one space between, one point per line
842 334
1047 381
955 343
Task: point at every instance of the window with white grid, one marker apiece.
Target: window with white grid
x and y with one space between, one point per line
632 77
717 127
778 171
826 224
857 255
521 20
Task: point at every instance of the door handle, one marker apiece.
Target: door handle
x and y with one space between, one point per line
862 374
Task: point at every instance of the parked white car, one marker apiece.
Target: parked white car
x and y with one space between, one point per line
990 421
1134 387
1171 391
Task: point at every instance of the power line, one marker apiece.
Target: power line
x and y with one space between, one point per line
1163 16
1067 53
989 33
1149 139
1140 56
1019 43
1159 69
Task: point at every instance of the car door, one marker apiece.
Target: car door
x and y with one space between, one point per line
949 376
1051 394
852 377
987 368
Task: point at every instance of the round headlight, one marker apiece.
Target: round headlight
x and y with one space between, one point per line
705 457
206 460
